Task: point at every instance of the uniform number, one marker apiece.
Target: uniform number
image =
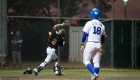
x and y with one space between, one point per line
97 30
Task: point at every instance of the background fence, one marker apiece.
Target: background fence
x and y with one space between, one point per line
35 18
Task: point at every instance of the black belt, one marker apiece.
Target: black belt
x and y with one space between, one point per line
50 47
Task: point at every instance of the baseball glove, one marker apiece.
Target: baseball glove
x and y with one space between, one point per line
27 71
67 23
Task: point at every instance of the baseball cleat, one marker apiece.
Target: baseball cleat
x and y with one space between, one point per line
60 74
96 76
35 72
93 77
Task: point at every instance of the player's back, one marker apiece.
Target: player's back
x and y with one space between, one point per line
96 30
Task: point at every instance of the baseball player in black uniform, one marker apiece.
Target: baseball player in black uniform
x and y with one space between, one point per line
56 39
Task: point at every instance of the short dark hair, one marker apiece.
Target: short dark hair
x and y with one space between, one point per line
63 33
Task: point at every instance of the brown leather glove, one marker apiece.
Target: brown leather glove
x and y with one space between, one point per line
67 23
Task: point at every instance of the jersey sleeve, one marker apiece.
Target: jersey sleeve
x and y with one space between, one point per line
21 38
49 41
103 36
61 42
86 27
13 40
54 33
104 33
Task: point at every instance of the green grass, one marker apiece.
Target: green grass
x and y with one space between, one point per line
75 72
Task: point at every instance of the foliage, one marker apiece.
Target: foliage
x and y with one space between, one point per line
68 8
104 5
43 7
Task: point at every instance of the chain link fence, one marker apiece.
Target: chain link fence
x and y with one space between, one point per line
35 37
35 18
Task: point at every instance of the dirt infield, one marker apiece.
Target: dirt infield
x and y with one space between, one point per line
67 78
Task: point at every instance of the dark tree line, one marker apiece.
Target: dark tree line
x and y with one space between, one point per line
42 8
68 8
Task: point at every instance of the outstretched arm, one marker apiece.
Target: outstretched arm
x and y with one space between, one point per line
66 23
57 25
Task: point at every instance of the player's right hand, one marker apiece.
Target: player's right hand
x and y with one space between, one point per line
64 43
102 49
82 48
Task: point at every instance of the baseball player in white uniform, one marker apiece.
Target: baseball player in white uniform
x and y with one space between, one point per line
93 35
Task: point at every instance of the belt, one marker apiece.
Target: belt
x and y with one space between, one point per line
94 41
50 47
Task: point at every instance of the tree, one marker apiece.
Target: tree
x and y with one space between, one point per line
104 6
43 8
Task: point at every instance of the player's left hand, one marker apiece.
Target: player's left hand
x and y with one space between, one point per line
102 51
64 43
67 23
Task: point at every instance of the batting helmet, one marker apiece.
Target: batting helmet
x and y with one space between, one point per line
95 13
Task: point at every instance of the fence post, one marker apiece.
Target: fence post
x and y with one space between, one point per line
58 27
132 44
112 31
3 25
135 45
0 26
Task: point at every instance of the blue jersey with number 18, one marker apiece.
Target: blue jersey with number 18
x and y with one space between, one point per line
95 29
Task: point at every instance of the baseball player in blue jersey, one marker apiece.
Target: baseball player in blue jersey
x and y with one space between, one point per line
93 35
56 39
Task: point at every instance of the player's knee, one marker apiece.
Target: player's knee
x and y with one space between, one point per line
45 63
56 60
96 64
86 62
